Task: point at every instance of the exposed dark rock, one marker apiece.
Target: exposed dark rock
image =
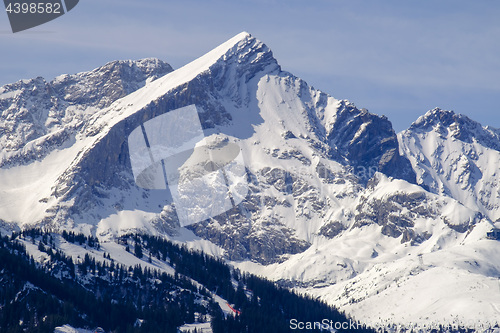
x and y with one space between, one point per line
332 229
369 144
387 212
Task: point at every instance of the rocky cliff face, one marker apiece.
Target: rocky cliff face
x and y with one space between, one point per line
369 143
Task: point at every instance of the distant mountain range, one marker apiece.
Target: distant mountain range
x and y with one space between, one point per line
389 227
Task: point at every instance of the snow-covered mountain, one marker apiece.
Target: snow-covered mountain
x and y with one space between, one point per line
38 116
456 157
391 228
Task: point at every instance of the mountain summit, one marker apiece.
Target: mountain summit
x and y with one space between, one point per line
456 156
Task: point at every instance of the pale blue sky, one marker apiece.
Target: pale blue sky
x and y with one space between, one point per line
393 57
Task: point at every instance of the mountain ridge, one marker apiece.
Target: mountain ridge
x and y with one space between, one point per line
51 111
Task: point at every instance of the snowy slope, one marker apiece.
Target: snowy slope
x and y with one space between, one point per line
445 277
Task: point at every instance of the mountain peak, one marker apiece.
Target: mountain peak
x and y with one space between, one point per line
434 117
457 126
235 61
242 48
110 82
241 36
447 122
146 66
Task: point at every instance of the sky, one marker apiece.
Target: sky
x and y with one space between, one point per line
392 57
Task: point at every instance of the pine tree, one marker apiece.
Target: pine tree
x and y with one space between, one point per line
138 250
